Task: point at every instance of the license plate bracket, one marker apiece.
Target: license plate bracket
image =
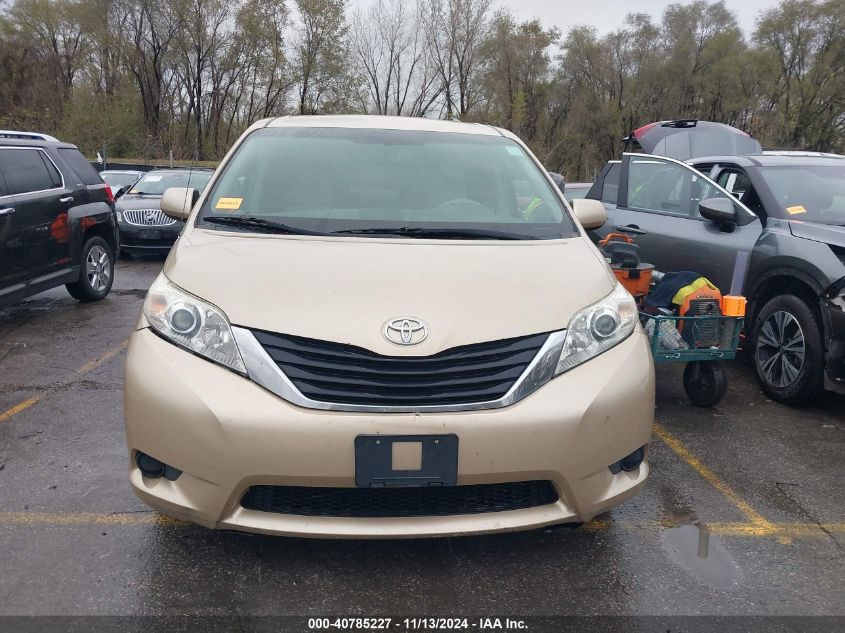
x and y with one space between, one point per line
374 456
149 234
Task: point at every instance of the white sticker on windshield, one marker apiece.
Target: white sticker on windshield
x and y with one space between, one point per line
514 151
152 178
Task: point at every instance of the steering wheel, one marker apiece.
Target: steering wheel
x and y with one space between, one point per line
456 201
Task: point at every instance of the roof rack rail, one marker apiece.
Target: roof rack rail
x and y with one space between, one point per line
799 152
177 167
33 136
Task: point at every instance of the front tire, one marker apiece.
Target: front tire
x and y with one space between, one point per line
788 348
96 272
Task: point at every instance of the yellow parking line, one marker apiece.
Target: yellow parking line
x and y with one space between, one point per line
779 530
760 523
21 406
48 389
107 355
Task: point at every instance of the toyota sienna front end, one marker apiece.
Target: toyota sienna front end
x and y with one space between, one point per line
385 327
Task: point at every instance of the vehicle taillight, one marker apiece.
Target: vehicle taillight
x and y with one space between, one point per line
109 194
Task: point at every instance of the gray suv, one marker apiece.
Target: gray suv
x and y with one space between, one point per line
787 209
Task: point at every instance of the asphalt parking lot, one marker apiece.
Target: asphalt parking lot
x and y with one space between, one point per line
744 513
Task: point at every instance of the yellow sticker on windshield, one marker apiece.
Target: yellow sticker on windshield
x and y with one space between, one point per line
229 203
796 210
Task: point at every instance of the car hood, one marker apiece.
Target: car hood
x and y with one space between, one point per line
827 233
345 289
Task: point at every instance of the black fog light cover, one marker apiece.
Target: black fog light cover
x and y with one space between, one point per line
629 462
152 468
633 461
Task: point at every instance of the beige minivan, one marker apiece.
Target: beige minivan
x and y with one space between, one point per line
385 327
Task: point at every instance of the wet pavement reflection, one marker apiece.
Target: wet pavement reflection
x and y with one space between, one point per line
691 544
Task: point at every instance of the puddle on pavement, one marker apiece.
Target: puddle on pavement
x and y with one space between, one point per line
701 553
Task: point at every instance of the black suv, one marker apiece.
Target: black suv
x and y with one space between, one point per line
57 220
787 209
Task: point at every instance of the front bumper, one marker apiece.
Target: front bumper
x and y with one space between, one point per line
226 434
151 238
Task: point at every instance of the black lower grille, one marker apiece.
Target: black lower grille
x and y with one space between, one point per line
345 374
399 502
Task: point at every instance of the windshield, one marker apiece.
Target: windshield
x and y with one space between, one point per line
813 193
117 180
385 182
155 182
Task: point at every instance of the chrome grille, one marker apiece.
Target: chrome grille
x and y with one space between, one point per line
344 374
147 217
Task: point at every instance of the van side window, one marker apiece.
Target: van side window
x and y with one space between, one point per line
24 171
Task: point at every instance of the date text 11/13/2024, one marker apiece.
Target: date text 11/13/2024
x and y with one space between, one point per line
417 624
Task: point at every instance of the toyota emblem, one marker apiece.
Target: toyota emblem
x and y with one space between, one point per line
405 331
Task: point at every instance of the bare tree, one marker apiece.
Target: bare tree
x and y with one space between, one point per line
455 31
321 52
57 29
394 59
150 28
202 40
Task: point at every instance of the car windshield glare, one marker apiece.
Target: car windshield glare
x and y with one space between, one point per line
376 183
156 182
116 180
812 193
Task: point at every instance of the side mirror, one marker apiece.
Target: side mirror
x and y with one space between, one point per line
590 213
558 180
177 202
719 210
119 192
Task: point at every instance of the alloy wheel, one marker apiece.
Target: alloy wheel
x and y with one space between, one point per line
97 268
781 349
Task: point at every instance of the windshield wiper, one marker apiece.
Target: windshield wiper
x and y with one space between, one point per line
268 226
443 234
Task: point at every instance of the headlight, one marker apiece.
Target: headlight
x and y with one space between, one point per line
192 323
597 328
119 215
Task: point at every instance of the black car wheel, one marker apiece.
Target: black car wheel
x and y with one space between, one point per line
96 271
789 350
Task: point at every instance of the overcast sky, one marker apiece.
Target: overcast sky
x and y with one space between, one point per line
607 15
